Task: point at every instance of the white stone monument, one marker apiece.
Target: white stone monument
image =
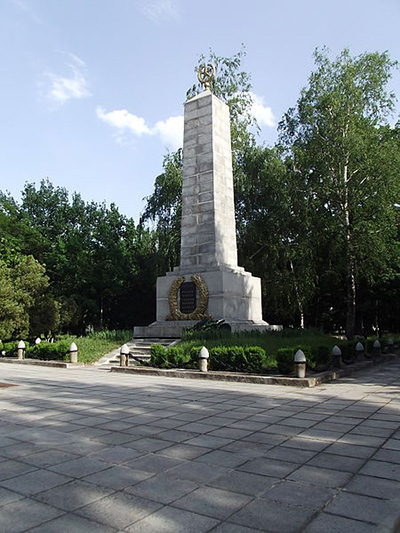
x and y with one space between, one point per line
208 283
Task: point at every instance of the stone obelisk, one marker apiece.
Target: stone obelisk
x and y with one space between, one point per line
208 283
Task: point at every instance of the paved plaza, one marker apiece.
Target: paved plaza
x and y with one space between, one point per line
88 450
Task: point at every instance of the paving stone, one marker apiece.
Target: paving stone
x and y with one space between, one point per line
163 488
223 458
337 462
71 523
196 427
265 438
119 510
16 451
304 443
381 469
184 451
49 458
25 514
80 467
175 435
231 433
337 524
273 516
72 495
117 477
116 454
213 502
244 482
268 467
291 455
391 456
148 444
392 444
8 496
373 431
10 468
349 450
116 438
228 527
169 519
321 476
34 482
299 494
247 448
362 440
154 463
197 472
209 441
358 507
375 487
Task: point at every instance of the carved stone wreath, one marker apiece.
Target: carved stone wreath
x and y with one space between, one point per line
200 312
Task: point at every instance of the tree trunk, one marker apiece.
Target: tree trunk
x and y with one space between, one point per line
351 278
298 300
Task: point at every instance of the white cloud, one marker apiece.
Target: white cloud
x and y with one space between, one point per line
170 130
159 10
262 113
122 120
63 88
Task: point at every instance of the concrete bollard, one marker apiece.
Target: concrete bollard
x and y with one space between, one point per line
21 350
376 350
203 359
73 353
300 364
336 357
124 355
359 352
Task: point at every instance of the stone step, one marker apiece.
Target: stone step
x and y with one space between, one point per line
139 348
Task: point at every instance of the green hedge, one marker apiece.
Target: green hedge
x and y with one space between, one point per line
232 358
46 351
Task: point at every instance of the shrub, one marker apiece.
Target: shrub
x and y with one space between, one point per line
255 357
219 358
348 351
285 360
176 357
158 356
45 351
10 349
321 357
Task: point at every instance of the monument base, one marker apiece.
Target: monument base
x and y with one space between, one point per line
234 296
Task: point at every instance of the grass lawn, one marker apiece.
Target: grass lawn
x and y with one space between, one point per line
91 350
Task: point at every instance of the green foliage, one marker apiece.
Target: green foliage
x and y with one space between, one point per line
255 359
9 349
158 356
49 351
285 360
345 160
177 358
21 285
321 357
120 335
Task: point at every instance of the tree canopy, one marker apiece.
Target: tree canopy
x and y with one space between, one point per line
317 217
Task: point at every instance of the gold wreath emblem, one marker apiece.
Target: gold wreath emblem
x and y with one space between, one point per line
200 312
206 75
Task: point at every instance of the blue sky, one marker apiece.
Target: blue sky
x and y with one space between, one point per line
92 91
